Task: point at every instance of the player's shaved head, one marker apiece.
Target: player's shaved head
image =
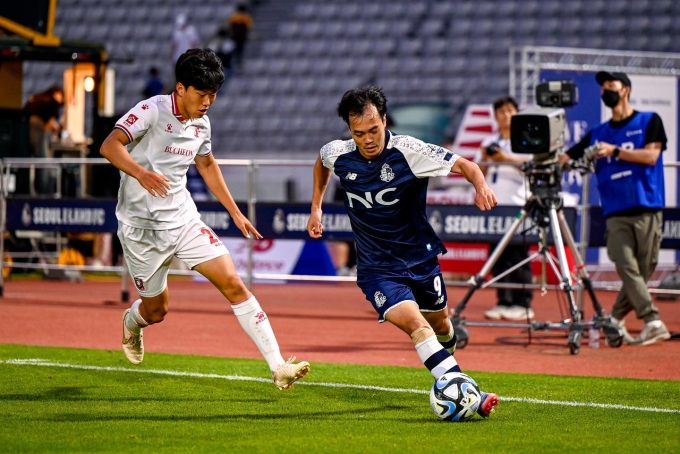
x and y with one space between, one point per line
357 102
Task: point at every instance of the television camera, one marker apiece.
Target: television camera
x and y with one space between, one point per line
540 131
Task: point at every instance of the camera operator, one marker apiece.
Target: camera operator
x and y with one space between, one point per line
630 180
508 184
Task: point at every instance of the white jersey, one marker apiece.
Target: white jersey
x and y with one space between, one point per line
163 142
506 181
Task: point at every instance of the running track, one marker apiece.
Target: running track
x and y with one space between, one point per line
316 322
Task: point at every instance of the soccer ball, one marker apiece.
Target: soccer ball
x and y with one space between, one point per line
455 397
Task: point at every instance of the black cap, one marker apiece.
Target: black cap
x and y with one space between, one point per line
604 76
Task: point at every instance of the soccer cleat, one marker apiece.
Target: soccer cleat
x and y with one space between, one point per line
652 332
489 403
289 372
133 344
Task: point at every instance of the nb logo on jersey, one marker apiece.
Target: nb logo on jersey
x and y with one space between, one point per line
351 176
368 200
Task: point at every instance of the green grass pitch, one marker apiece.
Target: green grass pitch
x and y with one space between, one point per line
76 400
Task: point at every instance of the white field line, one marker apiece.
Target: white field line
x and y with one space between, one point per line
176 373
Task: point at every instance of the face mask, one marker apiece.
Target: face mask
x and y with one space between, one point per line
610 98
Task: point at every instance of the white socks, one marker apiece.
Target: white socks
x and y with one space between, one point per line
134 321
255 323
436 358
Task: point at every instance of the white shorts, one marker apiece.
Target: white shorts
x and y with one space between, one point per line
148 253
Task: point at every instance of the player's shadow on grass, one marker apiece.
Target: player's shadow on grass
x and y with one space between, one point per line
77 394
286 416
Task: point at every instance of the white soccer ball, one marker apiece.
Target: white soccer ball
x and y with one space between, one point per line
455 397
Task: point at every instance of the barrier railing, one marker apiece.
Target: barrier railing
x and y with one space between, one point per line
452 222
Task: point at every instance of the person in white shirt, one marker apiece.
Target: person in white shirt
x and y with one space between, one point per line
184 37
153 146
510 187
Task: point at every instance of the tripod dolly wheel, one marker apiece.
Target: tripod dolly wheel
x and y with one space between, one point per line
614 341
575 339
461 336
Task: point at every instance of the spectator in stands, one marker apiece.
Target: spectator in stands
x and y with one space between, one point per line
630 181
240 24
184 37
509 185
44 111
223 45
154 86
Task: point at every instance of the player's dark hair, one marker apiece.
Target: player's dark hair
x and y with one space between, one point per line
503 100
201 69
357 100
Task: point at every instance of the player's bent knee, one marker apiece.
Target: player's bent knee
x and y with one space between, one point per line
421 334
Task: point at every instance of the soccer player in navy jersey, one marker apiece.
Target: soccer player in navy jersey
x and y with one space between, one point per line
385 177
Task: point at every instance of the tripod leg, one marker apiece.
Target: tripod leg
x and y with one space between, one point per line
580 264
478 279
576 327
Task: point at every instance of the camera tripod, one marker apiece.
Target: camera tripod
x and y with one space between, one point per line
546 213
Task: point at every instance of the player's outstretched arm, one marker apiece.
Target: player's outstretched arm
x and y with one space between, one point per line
212 175
321 178
114 150
485 199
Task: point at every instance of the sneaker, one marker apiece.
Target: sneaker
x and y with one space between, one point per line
622 324
652 332
489 403
517 313
289 372
133 345
496 313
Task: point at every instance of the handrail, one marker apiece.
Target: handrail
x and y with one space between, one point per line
6 164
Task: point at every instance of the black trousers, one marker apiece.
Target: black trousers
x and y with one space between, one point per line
512 255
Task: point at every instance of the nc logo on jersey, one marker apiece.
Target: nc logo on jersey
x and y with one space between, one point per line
368 201
379 298
351 176
386 173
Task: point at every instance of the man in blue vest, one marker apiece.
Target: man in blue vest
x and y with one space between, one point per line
630 180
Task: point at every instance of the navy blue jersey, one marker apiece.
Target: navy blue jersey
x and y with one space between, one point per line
386 199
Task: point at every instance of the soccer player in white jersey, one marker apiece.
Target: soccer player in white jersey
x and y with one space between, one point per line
385 177
153 145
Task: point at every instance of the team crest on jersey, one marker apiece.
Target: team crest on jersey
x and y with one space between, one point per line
130 120
386 173
196 132
379 298
168 128
139 284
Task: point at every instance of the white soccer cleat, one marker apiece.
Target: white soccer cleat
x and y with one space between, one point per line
289 372
133 344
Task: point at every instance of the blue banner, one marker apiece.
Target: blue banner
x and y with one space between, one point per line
457 223
62 215
670 228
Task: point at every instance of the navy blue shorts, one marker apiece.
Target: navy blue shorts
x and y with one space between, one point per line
422 283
